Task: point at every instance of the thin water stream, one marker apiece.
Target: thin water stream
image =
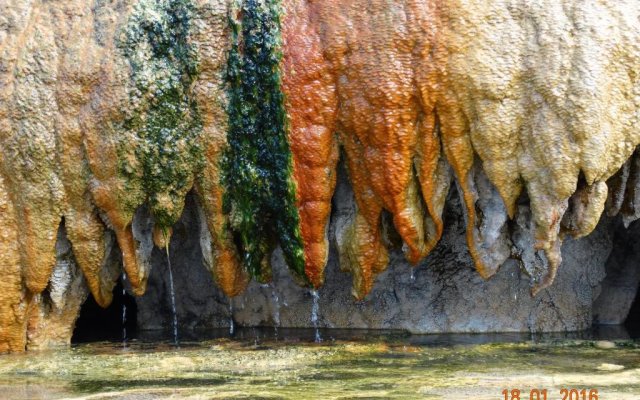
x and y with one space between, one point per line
173 298
276 310
231 323
124 309
315 310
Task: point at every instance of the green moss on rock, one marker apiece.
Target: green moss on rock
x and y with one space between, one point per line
260 194
164 118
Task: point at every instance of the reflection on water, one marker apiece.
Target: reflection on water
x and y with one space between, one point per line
347 364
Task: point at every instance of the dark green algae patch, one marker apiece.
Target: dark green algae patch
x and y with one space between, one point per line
260 194
166 125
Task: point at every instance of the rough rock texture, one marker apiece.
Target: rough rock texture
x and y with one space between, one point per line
359 74
14 298
575 120
98 117
198 300
444 295
620 287
44 90
111 112
537 99
55 310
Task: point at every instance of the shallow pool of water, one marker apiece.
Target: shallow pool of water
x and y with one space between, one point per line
373 365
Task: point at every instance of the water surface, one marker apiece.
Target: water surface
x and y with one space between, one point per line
345 365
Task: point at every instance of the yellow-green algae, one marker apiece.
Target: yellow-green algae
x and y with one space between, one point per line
260 194
276 370
165 118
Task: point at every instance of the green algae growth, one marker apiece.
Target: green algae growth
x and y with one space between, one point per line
389 369
260 194
164 118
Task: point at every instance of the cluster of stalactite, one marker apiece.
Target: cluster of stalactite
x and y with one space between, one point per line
529 107
111 112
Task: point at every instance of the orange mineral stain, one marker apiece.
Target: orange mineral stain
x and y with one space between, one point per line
419 88
351 79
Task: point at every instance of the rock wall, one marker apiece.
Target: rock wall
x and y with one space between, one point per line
112 112
620 287
100 115
442 294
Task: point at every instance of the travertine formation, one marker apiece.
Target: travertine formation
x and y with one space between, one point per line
362 75
528 108
532 105
100 113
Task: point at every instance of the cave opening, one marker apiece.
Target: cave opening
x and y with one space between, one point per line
632 323
106 324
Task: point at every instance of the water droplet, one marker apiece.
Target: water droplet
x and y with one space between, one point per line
315 309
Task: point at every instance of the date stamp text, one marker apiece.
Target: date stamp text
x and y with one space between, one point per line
545 394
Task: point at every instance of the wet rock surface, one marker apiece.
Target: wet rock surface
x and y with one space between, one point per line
442 294
503 128
620 286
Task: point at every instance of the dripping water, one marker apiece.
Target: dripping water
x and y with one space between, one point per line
173 297
124 310
231 325
275 307
533 323
315 308
276 310
413 274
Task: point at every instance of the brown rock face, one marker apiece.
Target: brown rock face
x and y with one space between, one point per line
530 108
543 94
14 298
50 63
54 312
